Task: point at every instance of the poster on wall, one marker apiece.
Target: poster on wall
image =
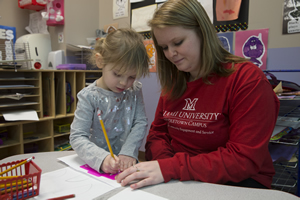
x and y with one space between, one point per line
140 17
253 45
230 15
120 9
149 44
291 17
7 39
227 41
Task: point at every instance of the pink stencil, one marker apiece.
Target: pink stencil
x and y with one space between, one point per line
98 174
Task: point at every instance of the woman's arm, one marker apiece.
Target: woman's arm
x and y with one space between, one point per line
158 145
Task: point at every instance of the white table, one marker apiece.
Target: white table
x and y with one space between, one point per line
173 190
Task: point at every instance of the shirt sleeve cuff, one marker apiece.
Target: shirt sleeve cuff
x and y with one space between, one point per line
169 168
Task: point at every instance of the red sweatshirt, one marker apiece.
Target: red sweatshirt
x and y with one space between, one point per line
217 133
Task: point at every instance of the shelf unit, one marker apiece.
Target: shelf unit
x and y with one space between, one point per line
43 91
287 173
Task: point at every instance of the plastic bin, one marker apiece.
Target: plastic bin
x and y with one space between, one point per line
28 181
62 128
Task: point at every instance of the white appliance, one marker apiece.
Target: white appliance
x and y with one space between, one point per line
56 58
39 49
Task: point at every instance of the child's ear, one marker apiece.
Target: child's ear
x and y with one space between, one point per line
99 60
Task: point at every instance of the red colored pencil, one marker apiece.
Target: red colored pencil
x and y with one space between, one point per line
63 197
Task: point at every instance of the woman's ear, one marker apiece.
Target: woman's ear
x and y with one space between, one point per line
98 60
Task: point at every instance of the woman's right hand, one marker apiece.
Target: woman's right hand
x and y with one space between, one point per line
110 165
143 174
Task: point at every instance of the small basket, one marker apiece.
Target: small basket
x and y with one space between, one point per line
28 181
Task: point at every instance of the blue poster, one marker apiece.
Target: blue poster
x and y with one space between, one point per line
8 33
227 41
7 39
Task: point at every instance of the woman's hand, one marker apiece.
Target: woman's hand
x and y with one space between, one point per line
145 173
110 165
126 162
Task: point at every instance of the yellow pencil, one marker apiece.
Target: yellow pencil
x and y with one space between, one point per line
8 177
21 163
24 186
13 183
105 134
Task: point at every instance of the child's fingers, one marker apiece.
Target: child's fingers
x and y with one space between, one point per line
122 165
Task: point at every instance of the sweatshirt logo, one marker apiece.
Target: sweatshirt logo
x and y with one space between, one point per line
189 104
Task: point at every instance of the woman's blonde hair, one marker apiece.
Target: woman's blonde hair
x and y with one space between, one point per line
189 14
124 48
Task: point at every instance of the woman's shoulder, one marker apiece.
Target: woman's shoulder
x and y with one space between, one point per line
248 70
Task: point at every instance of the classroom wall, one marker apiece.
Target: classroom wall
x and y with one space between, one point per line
12 15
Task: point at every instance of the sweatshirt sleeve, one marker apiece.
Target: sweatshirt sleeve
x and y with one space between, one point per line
138 131
253 112
88 151
158 143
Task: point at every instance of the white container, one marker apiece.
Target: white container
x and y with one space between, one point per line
56 58
39 49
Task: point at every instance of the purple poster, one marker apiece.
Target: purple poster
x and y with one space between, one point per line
253 45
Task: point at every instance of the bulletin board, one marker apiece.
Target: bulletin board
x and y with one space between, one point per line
221 26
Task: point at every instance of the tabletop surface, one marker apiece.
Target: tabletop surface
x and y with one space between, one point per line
172 190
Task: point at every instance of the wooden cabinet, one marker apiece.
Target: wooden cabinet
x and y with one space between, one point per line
52 94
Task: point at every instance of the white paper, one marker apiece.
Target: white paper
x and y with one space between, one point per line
135 1
75 162
160 1
37 24
208 6
20 115
141 16
120 9
129 194
67 181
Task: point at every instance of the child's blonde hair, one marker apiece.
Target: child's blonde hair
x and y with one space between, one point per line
124 48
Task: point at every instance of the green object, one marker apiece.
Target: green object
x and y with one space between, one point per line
63 147
62 128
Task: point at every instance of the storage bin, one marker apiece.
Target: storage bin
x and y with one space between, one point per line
25 185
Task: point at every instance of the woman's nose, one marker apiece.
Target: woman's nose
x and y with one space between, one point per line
172 52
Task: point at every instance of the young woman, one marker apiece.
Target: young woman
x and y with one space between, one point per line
117 97
216 112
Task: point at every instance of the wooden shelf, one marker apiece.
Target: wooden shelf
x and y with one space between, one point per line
48 98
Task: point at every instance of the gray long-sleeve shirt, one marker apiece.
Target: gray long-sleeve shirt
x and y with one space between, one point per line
124 119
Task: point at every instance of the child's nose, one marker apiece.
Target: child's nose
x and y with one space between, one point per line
123 81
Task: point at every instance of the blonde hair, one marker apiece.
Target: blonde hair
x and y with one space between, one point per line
124 48
189 14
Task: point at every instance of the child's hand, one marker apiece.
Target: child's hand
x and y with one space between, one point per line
126 162
110 165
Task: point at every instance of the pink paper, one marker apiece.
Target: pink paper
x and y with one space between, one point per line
98 174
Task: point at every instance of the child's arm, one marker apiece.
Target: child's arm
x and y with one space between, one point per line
139 127
80 141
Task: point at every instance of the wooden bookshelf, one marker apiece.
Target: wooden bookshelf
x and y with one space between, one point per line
45 92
